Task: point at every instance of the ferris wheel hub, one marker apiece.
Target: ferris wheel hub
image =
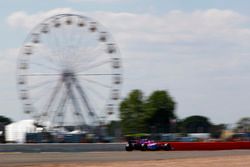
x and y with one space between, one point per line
68 76
68 73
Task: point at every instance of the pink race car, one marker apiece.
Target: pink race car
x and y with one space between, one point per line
145 144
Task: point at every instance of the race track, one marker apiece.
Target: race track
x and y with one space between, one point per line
21 159
62 147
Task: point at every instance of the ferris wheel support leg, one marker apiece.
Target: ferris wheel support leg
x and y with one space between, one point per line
59 116
91 112
50 102
75 104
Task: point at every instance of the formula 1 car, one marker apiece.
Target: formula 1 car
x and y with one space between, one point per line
147 145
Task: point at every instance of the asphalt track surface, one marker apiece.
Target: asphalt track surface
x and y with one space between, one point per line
16 159
62 147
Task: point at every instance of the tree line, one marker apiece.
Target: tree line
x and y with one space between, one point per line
156 114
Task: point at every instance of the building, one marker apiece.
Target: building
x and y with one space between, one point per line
16 132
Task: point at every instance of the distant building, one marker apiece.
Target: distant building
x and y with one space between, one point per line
200 136
16 132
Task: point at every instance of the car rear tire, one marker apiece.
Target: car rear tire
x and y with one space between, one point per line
144 147
167 147
129 148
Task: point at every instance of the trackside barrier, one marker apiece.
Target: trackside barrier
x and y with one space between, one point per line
210 145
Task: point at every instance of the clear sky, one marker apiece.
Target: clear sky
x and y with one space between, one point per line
197 50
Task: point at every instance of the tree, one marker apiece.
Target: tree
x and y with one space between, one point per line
217 130
133 113
4 120
160 108
243 125
114 129
152 114
196 124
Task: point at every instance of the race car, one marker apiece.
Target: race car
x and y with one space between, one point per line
147 145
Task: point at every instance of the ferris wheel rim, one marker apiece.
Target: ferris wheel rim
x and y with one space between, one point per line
55 17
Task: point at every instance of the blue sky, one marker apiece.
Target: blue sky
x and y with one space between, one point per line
197 50
138 6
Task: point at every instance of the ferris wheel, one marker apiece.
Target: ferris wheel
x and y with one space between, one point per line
69 72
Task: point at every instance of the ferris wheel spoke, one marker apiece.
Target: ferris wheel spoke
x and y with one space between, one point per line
79 41
42 84
41 74
82 41
97 83
40 97
95 54
92 54
86 50
93 66
95 74
48 56
54 45
58 45
41 94
44 66
73 44
97 93
44 52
